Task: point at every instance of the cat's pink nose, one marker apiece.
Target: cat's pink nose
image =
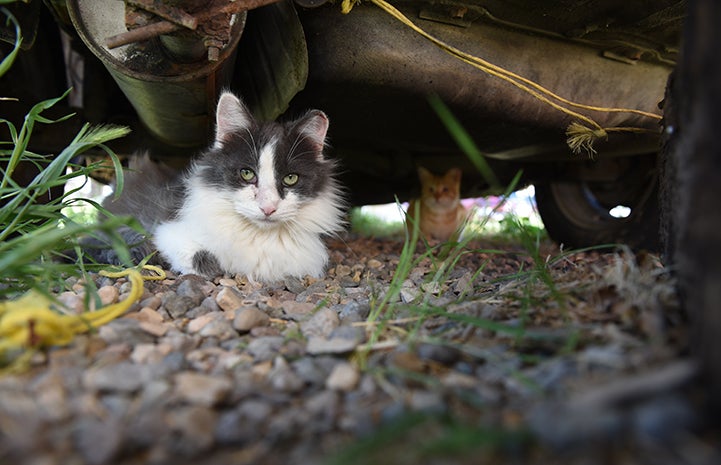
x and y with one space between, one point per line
268 210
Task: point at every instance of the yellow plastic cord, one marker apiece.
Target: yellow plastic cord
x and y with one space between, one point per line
579 137
29 322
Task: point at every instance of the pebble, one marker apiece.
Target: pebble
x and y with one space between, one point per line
294 285
344 377
337 345
355 311
265 348
321 324
283 378
201 389
98 441
229 299
177 305
438 353
123 376
108 295
202 321
192 289
193 427
297 310
248 318
219 328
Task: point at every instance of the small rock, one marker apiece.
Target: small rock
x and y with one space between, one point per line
314 370
147 353
426 401
283 378
355 311
201 389
438 353
210 305
344 377
123 376
156 329
242 424
194 429
193 289
98 441
150 315
227 282
373 263
248 318
354 333
432 287
265 348
177 305
108 295
342 270
409 292
337 345
228 299
322 323
152 302
72 301
408 361
51 396
196 324
219 328
464 284
294 285
297 310
264 331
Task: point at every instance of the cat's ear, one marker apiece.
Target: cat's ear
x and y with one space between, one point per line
314 126
454 174
231 116
424 175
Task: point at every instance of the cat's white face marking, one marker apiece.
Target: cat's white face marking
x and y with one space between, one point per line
267 196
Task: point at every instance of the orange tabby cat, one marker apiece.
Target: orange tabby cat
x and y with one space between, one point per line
441 213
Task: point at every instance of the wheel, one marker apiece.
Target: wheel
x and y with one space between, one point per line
586 213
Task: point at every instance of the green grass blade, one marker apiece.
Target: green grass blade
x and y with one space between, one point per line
464 141
9 59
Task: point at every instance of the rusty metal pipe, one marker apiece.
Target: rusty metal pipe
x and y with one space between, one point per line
174 98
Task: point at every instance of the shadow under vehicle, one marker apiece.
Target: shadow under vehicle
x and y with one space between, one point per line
372 75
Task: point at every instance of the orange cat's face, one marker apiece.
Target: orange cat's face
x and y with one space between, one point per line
441 191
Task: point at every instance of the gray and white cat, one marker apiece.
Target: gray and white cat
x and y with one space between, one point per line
256 203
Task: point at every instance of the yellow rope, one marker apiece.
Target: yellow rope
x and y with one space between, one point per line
29 322
579 137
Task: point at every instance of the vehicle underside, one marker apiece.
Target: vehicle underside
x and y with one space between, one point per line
373 76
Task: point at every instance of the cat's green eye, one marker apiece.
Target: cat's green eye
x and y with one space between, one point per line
247 175
290 179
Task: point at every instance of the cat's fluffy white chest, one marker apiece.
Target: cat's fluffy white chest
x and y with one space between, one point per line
268 253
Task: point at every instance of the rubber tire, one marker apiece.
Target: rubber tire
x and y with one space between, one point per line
575 216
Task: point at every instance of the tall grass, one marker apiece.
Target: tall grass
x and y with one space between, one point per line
386 308
34 232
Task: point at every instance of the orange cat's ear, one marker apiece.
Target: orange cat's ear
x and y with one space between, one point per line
454 174
424 175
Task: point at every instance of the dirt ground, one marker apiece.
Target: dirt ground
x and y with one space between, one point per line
507 351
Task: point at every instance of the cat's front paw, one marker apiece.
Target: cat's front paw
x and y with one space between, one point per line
206 264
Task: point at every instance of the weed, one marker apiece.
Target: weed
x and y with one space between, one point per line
34 231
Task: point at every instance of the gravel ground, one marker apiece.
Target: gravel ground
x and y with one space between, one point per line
554 360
